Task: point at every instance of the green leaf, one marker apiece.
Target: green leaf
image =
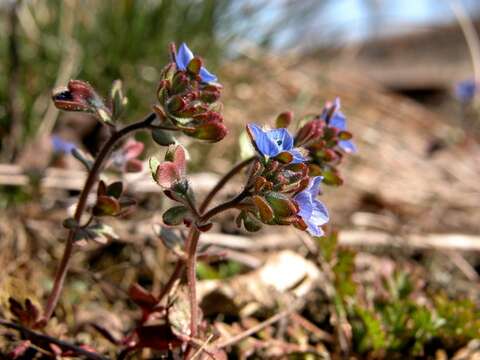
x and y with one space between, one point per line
179 314
119 101
106 206
162 137
153 163
175 215
115 189
70 223
169 239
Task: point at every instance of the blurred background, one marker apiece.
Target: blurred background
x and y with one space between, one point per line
404 69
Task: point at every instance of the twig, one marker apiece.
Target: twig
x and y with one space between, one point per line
470 34
202 348
64 345
272 320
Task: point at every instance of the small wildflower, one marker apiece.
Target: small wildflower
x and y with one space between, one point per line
61 146
184 56
311 210
465 90
272 143
336 119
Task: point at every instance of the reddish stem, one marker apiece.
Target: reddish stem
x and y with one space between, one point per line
191 264
221 183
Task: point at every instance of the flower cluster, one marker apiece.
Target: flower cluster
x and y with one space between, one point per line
188 95
326 139
282 187
279 188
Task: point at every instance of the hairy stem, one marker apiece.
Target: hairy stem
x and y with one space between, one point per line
234 203
221 183
191 264
82 202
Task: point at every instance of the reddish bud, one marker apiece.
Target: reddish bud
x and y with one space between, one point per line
80 96
310 131
176 104
211 131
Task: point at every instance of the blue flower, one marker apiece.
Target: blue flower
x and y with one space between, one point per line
312 211
61 146
339 121
270 143
465 90
183 57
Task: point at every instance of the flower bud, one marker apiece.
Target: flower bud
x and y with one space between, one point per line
176 104
210 94
210 131
284 119
310 131
80 96
179 83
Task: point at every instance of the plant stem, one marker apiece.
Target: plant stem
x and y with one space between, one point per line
235 202
221 183
82 202
191 264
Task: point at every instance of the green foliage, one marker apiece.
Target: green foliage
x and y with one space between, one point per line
398 318
100 41
223 270
401 324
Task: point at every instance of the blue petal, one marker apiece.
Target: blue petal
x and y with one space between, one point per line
282 138
465 90
314 230
265 145
339 121
347 146
304 202
61 146
183 57
314 186
320 213
206 76
336 103
297 156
